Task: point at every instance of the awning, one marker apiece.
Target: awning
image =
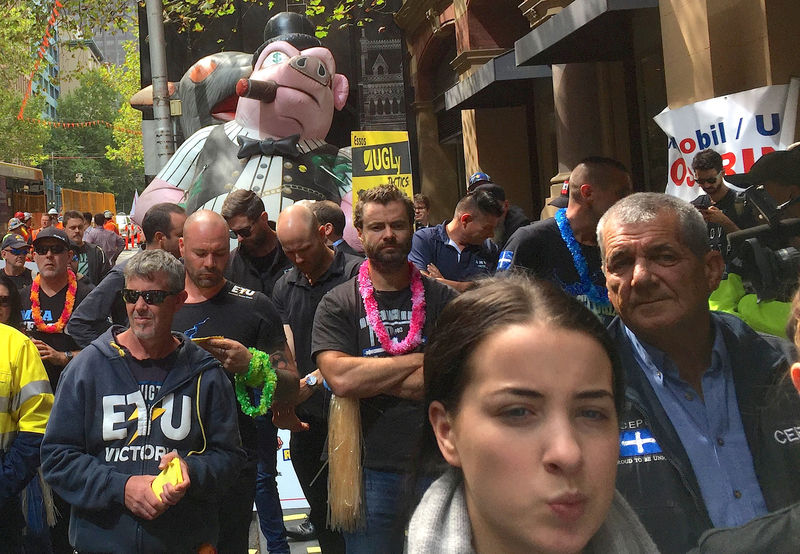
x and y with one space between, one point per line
497 83
584 31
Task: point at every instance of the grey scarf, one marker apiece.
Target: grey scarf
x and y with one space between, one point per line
440 524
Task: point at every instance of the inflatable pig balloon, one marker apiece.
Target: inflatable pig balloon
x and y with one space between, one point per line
275 145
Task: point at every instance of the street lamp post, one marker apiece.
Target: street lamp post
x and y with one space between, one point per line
158 63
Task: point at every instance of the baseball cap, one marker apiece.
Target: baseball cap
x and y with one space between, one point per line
52 233
479 177
14 223
13 241
782 166
562 199
107 214
52 211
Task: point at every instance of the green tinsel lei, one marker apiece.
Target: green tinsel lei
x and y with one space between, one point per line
260 371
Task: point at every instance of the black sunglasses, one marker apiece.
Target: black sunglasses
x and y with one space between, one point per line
244 232
707 181
17 251
151 297
5 301
42 250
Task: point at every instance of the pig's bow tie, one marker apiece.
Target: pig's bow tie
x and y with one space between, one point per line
251 147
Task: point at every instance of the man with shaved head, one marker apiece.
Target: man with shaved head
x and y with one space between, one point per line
238 319
564 249
316 270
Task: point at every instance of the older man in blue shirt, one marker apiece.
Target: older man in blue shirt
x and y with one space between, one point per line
704 395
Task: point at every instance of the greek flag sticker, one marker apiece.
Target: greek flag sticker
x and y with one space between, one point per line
504 262
636 443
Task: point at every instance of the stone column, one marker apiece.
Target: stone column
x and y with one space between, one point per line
438 168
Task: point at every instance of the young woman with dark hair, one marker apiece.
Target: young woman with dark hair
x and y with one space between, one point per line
523 388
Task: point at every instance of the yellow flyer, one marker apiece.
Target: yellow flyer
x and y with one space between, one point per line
381 158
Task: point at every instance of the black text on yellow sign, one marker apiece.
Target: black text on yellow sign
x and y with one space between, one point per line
386 159
381 158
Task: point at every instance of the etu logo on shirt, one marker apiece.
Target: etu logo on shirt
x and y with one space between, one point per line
637 443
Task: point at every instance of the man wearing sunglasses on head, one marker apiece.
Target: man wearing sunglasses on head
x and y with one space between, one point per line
15 250
722 208
259 261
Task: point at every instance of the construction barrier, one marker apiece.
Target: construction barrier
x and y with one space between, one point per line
25 202
87 201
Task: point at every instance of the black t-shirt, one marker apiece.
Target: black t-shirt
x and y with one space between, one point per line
23 280
150 373
515 218
391 425
733 206
260 273
243 315
539 249
52 307
296 300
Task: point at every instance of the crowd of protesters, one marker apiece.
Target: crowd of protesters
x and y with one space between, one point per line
485 384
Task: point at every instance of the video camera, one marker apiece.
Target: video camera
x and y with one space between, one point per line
765 255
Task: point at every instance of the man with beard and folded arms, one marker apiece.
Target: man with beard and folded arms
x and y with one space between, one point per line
706 435
163 228
258 262
317 269
135 400
232 322
374 355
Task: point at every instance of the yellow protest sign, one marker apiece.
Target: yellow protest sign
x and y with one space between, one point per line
381 158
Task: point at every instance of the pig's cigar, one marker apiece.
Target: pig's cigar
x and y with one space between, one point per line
260 90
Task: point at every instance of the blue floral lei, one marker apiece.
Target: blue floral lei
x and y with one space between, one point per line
596 293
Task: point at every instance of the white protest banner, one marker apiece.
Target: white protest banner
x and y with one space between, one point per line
742 127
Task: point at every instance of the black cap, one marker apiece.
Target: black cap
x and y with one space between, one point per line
782 167
294 28
562 200
492 188
13 241
52 233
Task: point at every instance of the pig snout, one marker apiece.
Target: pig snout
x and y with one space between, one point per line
311 67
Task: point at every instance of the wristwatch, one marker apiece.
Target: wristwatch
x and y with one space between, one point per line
312 381
68 355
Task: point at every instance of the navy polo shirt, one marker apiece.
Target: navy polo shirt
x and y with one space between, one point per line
432 245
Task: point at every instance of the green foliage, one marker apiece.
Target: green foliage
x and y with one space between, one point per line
20 141
127 148
20 35
191 14
81 157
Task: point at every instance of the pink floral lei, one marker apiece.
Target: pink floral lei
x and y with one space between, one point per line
414 336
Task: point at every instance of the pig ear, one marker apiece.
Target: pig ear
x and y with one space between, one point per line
341 88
